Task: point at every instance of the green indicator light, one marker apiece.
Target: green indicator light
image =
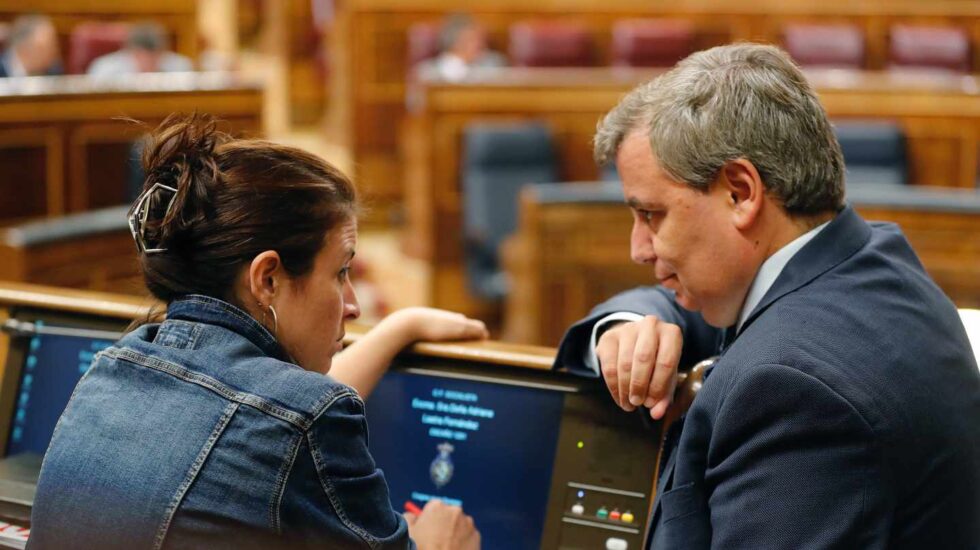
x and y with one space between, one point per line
581 444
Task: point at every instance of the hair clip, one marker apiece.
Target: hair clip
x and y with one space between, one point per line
139 213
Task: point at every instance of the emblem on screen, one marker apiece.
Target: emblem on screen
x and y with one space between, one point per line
441 469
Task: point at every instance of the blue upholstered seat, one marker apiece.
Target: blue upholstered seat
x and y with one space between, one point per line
498 161
874 152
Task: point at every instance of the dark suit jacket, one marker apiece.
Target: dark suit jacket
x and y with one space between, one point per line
846 413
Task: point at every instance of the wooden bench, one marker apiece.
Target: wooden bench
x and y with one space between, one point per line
572 249
90 250
65 143
178 17
369 43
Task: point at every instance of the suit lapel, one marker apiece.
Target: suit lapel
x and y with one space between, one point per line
666 473
842 238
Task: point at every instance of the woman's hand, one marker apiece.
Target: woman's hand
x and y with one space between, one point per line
443 527
435 325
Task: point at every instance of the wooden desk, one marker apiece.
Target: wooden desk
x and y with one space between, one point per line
178 17
64 144
369 71
940 117
568 257
92 250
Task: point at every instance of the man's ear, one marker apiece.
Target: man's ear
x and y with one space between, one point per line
263 276
746 192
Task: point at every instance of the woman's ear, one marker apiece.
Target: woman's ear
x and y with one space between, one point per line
746 191
264 275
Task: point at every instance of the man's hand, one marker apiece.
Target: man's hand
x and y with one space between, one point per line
639 363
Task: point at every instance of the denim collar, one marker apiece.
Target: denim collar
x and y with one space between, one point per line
205 309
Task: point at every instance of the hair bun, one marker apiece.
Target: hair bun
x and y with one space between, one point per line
180 154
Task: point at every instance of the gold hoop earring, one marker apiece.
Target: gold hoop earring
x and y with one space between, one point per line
275 318
275 322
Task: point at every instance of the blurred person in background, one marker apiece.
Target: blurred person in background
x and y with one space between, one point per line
146 51
463 46
33 48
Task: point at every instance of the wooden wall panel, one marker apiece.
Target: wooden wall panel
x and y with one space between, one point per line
566 258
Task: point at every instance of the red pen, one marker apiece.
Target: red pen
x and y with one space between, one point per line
411 507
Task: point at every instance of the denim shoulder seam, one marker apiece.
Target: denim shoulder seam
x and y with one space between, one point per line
334 499
329 398
275 516
219 428
203 380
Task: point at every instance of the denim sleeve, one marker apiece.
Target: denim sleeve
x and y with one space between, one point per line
335 494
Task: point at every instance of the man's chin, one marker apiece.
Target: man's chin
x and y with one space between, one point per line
686 301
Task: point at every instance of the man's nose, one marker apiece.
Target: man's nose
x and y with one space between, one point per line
641 244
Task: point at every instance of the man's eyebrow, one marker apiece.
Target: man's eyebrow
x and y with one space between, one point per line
637 204
350 254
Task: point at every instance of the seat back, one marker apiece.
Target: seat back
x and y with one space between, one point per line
94 39
550 44
830 46
874 152
499 160
930 47
423 42
651 42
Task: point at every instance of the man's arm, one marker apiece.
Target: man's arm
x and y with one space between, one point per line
793 464
700 339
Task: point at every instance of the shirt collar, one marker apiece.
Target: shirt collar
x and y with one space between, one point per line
770 271
14 66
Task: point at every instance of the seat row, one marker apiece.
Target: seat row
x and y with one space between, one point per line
88 40
663 42
500 159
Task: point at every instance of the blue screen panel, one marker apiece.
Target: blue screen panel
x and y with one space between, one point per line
52 368
486 446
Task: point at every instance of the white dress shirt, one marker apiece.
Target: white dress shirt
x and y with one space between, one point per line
13 64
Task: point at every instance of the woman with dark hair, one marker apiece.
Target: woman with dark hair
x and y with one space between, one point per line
221 427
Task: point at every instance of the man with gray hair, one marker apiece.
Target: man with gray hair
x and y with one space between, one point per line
843 409
463 47
32 48
146 51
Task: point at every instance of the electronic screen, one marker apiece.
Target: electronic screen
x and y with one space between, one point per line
487 446
52 367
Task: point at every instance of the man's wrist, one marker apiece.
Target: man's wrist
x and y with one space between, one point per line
601 326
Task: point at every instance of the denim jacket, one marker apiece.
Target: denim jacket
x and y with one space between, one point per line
200 433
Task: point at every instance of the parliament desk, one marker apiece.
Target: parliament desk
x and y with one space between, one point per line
940 116
92 250
369 44
178 17
540 459
65 143
571 250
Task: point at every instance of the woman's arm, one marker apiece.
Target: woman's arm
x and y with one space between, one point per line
364 362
